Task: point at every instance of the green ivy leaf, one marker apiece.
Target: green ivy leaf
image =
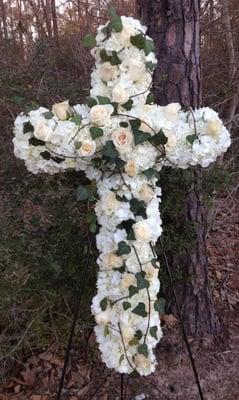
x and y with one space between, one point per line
133 290
138 207
91 102
36 142
134 341
141 137
142 283
143 349
124 124
89 41
48 115
57 160
77 119
149 173
159 305
27 127
96 132
116 23
138 41
135 123
109 151
103 100
139 334
159 139
128 105
114 59
123 248
106 331
121 358
191 138
151 66
126 305
140 310
103 304
149 46
153 332
46 155
82 193
150 98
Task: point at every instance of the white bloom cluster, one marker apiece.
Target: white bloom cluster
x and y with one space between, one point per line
121 139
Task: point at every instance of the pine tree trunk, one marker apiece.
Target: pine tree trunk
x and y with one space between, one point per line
174 26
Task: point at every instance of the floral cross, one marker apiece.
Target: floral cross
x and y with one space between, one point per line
121 139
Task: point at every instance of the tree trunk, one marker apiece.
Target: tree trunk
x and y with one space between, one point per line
54 19
174 26
4 19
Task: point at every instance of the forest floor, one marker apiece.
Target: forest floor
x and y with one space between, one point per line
33 240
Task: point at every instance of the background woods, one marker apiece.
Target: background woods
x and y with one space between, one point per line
42 247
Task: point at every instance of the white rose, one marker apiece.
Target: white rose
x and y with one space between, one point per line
42 131
110 203
108 72
120 94
100 114
122 139
102 318
146 193
213 128
62 110
171 111
172 140
127 31
141 361
128 280
131 168
136 70
127 333
151 271
142 231
111 260
87 148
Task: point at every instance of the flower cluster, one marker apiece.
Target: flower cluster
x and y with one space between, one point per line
122 140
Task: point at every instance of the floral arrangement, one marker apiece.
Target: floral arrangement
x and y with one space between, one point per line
121 139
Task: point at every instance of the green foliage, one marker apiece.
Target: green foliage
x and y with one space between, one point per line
123 248
89 41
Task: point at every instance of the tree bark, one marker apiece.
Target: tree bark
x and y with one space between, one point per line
174 26
4 19
54 19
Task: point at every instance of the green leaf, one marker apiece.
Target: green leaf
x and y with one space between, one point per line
92 221
142 283
36 142
133 290
89 41
139 334
149 173
149 46
91 102
140 310
77 119
141 137
143 349
48 115
27 127
123 248
111 11
109 150
128 106
103 304
103 100
46 155
96 132
116 23
135 123
138 41
82 193
57 160
153 332
134 374
191 138
138 207
134 341
106 331
114 59
159 305
159 139
121 358
104 56
127 225
124 124
78 145
151 66
126 305
150 98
